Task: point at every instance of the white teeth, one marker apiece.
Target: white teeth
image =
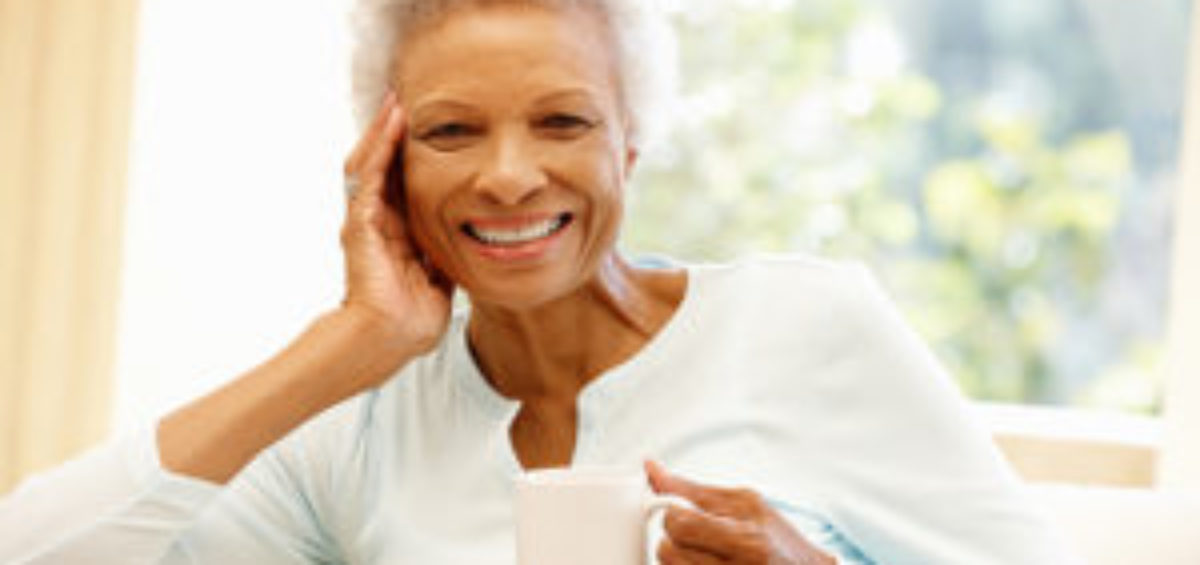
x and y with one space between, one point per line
522 234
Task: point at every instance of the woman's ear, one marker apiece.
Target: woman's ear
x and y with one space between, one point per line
631 158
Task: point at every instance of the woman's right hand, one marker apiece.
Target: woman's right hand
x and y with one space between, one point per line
388 280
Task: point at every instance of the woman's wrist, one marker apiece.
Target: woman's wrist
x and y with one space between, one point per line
356 349
375 333
341 354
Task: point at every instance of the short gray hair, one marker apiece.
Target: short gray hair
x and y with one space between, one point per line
642 36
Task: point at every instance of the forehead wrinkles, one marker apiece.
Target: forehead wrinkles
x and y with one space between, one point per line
471 50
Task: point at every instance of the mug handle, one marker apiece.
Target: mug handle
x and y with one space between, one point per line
657 503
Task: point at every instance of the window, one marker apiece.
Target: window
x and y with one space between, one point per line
1006 167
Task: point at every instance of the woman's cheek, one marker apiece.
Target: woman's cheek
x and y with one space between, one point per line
421 205
420 226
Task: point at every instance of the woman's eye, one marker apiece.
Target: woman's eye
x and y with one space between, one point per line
448 131
565 122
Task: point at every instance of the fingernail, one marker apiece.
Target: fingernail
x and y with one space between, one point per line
394 116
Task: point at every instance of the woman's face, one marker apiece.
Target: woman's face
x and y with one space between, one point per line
516 152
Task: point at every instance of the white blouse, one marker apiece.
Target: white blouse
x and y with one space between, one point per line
792 376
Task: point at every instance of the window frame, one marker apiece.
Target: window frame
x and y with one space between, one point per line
1180 463
1074 445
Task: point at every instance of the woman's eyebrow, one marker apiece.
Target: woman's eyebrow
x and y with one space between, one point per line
580 92
439 103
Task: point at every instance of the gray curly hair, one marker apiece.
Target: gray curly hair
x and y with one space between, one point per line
642 37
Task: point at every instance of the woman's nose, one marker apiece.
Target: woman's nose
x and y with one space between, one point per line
512 172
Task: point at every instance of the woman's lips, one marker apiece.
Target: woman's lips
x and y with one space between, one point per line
516 239
515 232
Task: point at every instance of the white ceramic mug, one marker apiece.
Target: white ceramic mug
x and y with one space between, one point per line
584 516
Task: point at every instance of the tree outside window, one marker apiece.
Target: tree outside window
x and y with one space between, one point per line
1006 167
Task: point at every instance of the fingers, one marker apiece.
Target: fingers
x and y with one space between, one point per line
663 482
729 525
354 160
370 161
380 154
367 215
671 554
711 534
732 502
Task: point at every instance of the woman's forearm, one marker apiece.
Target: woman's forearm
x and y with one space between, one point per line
338 356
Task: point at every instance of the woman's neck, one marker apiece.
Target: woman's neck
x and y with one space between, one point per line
553 351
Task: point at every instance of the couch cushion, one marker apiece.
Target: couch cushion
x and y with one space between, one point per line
1111 526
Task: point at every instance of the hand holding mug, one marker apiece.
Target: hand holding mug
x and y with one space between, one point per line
726 525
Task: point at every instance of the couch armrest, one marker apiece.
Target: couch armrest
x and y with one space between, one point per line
1118 526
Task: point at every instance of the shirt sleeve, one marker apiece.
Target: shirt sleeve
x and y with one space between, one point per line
821 533
916 479
118 505
872 433
115 501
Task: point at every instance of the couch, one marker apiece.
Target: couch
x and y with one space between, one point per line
1125 526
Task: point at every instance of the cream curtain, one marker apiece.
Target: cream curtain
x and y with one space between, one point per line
66 81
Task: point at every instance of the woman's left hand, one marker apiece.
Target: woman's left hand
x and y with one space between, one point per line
728 525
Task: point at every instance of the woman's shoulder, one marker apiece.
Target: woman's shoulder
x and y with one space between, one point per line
785 300
778 265
783 279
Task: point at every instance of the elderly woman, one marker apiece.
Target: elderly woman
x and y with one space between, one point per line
802 418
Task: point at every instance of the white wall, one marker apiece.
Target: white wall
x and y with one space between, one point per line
241 123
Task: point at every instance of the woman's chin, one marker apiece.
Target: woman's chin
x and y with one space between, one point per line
525 291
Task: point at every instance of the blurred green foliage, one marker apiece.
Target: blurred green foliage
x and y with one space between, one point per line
801 128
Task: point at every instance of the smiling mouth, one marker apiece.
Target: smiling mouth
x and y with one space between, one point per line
518 235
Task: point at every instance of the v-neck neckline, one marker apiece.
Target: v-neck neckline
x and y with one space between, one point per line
607 388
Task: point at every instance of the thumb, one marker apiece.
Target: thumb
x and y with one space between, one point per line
665 482
656 475
714 499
